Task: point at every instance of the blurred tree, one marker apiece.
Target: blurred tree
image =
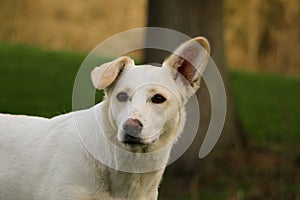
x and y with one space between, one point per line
194 18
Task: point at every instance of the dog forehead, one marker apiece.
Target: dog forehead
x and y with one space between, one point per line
143 74
148 70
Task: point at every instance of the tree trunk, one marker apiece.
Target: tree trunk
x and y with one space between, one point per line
198 18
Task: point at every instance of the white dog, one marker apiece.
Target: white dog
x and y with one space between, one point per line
98 153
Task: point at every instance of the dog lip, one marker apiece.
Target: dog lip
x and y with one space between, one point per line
134 143
131 140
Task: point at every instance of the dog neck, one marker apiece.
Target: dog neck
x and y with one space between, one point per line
134 185
123 185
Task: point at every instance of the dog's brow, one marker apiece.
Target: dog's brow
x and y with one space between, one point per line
125 89
153 90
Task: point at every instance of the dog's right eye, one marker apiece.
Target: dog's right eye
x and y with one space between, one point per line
157 99
122 96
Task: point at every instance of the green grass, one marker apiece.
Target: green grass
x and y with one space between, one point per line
268 106
35 81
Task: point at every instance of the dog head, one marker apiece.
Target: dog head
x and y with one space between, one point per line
147 102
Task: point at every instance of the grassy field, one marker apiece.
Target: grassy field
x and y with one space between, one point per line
39 82
36 82
268 106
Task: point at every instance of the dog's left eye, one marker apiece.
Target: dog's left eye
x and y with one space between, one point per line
122 96
158 99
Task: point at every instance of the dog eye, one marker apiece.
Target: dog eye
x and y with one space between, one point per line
158 99
122 96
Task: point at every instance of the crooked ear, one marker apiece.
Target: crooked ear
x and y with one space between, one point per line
190 60
105 74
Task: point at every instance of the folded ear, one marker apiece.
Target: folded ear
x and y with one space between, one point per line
105 74
190 60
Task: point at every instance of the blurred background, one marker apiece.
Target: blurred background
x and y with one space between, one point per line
255 43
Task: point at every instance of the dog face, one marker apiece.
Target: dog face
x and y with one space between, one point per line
146 102
143 102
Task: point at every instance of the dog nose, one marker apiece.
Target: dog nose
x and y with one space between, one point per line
133 127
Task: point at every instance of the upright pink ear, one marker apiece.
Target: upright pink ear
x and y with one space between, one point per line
105 74
190 60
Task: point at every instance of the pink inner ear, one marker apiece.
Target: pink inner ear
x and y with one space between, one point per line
186 68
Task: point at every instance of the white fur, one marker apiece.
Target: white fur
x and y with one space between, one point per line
50 158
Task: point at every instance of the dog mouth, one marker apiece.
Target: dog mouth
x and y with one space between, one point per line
133 141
